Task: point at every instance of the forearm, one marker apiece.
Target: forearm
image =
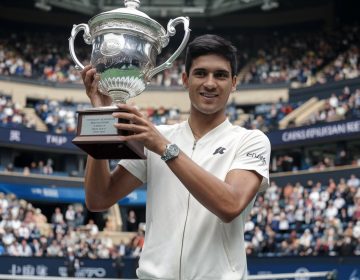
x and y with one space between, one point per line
97 181
103 188
220 197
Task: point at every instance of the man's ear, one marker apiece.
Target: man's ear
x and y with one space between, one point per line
185 80
234 83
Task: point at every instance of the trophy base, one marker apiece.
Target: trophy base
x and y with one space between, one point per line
97 136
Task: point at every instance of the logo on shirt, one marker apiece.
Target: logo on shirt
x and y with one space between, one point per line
259 157
219 150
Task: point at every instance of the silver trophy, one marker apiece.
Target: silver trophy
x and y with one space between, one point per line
125 44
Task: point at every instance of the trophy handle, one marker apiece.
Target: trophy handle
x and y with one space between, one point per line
171 31
87 38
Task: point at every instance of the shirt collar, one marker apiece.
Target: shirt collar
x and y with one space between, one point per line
215 131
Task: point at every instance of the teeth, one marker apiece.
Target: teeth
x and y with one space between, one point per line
208 94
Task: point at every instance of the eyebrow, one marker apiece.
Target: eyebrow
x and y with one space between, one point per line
216 71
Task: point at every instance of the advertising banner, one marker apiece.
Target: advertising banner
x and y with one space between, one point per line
347 268
307 135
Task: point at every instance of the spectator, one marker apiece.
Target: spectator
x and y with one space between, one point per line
72 263
25 249
92 228
70 216
118 264
132 224
57 216
353 181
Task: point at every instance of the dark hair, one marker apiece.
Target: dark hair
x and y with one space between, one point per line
211 44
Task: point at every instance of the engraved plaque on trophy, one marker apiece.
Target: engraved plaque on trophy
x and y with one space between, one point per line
125 44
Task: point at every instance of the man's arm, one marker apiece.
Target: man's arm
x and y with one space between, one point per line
226 199
104 188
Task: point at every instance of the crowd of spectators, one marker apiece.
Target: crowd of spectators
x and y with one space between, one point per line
304 57
286 162
40 56
315 219
12 114
266 117
339 106
59 117
46 57
307 57
25 231
345 66
41 167
345 105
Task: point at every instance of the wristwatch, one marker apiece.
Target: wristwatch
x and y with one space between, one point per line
171 151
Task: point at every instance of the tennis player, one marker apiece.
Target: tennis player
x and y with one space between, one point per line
202 175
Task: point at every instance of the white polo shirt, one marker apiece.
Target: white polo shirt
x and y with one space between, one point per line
184 240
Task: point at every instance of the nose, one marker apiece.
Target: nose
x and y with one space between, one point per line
210 82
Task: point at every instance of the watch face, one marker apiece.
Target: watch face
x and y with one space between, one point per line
173 150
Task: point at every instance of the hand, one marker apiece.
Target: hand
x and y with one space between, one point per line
91 80
142 129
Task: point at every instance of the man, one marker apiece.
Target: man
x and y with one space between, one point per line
71 262
202 175
118 264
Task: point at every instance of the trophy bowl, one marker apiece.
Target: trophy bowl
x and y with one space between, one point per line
125 45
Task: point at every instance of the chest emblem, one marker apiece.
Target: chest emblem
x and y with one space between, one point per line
220 151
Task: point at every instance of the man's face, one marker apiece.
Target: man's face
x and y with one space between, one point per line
210 83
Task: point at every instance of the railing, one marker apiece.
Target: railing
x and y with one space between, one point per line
329 275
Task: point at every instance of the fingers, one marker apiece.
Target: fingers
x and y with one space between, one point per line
84 71
131 127
136 137
133 116
95 81
135 123
130 109
89 77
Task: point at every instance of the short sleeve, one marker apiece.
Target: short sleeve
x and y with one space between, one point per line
254 154
137 167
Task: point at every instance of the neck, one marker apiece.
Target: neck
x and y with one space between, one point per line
200 125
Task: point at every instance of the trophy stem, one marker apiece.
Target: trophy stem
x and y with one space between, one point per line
119 96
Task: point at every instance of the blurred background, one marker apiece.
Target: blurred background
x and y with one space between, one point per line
298 82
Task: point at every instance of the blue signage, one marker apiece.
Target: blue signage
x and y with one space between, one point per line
64 194
316 133
21 136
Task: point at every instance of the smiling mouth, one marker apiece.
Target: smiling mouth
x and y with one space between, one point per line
208 95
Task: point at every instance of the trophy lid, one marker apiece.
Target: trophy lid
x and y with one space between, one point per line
129 13
131 7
